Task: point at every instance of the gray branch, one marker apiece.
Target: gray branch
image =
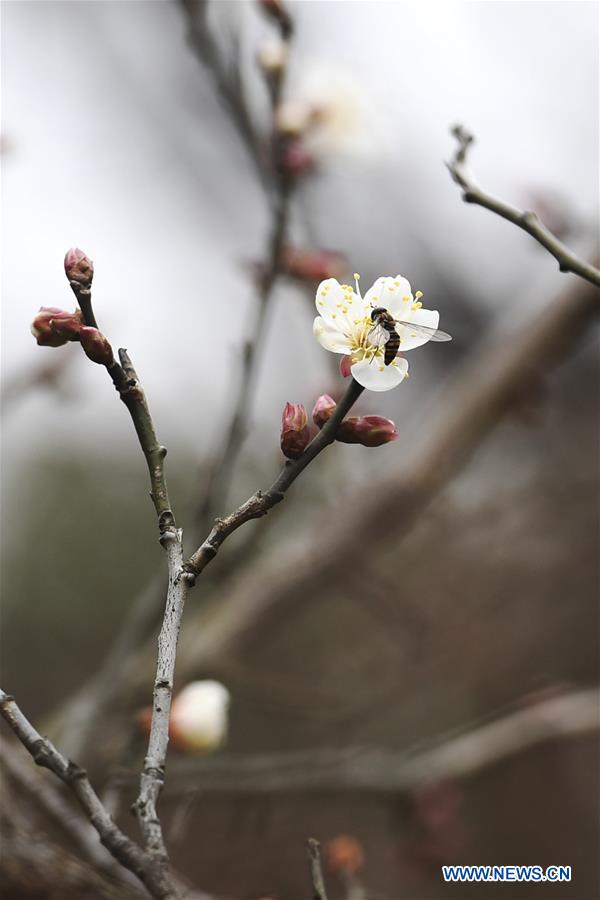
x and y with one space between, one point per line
45 754
316 872
152 778
529 221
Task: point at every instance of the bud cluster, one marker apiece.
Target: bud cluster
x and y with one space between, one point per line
370 431
53 327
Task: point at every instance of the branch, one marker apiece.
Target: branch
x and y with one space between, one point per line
47 797
45 754
125 379
527 220
316 873
152 778
260 503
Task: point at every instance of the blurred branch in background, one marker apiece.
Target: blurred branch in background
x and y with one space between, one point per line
364 769
529 221
279 183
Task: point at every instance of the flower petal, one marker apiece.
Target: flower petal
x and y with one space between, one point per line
329 337
338 305
393 294
410 339
376 377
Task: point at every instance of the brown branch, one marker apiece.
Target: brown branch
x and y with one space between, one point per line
525 219
126 381
316 872
45 754
260 503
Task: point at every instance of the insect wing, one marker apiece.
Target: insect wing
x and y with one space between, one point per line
434 334
378 335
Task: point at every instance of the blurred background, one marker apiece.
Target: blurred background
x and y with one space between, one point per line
404 601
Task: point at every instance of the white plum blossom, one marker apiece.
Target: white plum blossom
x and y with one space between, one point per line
344 325
199 716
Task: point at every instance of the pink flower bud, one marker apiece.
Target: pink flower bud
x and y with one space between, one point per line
79 267
295 433
96 346
53 327
295 159
346 366
323 409
312 265
370 431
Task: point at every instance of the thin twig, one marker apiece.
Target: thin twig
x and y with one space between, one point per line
125 380
316 872
260 503
45 754
154 765
527 220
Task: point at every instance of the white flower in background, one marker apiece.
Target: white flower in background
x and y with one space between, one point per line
199 716
332 110
344 325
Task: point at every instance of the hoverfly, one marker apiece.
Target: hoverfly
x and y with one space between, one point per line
384 321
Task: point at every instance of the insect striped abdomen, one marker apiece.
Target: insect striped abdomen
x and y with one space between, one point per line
392 345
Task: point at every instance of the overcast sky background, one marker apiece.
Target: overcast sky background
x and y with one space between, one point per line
114 142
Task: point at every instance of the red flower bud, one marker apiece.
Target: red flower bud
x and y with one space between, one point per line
370 431
53 327
345 366
323 409
344 854
295 433
96 346
312 265
79 267
294 158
